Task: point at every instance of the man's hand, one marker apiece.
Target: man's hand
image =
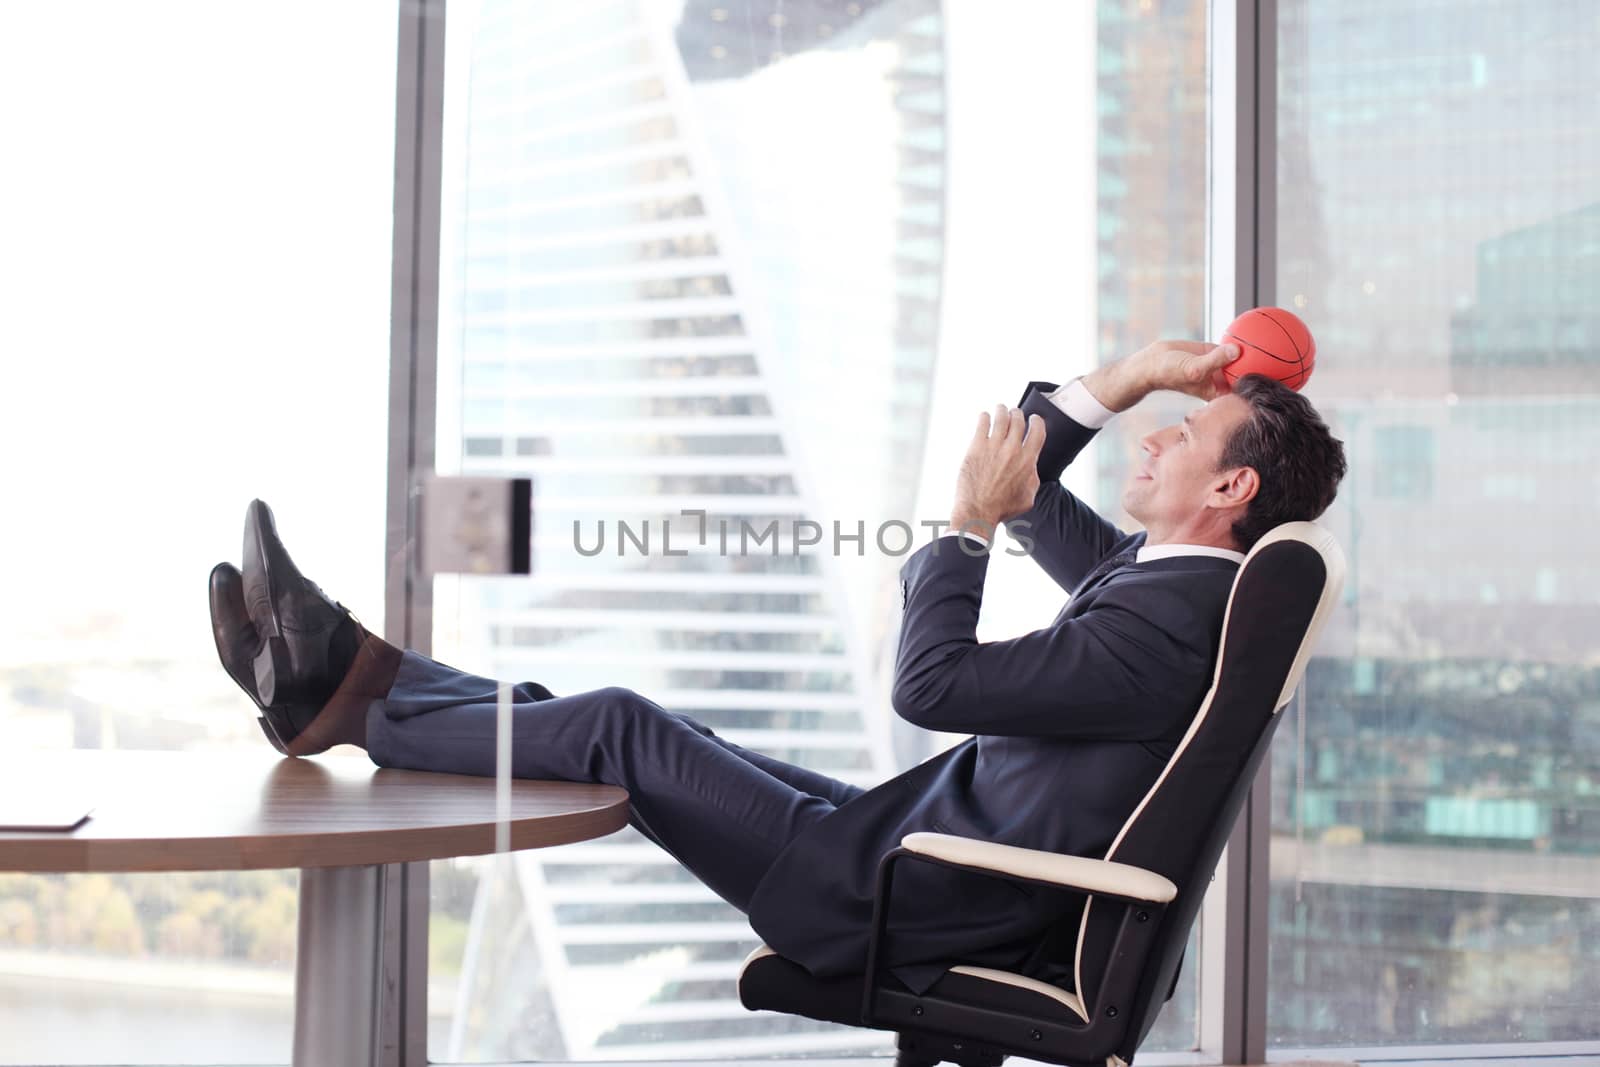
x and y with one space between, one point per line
1192 367
1000 475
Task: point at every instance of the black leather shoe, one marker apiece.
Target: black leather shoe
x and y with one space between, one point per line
308 640
238 644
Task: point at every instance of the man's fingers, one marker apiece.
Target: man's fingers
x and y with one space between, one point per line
1193 348
1016 426
1011 425
1033 444
1000 427
1213 360
1202 369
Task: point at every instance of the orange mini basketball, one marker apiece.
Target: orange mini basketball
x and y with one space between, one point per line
1273 342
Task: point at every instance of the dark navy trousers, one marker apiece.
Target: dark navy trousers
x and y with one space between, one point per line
722 811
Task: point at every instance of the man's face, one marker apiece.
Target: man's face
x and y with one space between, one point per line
1178 472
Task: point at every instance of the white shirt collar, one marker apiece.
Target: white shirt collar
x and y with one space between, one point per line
1150 552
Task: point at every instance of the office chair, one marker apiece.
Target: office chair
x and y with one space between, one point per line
1140 900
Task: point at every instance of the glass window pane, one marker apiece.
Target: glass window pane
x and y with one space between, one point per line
1435 844
195 205
766 260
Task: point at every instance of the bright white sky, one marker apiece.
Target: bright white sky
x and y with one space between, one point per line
195 254
194 262
1020 275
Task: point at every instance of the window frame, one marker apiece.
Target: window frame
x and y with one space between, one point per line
1241 271
402 995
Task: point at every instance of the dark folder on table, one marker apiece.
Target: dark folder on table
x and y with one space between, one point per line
45 813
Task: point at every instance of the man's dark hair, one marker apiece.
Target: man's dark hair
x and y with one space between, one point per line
1298 460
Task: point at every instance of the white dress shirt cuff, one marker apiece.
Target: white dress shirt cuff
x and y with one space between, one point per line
1078 404
977 538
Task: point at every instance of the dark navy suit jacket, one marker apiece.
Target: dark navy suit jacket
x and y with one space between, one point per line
1072 724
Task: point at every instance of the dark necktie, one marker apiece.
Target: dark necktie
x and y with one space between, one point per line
1103 568
1095 577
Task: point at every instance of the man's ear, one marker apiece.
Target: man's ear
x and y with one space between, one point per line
1235 487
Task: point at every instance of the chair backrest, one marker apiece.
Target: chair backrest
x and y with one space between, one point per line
1283 594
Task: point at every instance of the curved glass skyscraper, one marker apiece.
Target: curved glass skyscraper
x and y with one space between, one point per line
698 268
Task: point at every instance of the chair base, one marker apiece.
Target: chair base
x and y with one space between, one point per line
926 1050
1001 1014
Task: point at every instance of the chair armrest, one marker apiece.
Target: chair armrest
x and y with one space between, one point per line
1144 895
1074 872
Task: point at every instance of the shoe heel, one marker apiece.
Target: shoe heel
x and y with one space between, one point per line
272 736
271 663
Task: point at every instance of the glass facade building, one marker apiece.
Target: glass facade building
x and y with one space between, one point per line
1436 812
690 251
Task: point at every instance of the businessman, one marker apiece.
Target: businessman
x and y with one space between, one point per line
1072 723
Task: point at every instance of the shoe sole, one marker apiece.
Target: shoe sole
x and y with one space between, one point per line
222 654
272 735
273 659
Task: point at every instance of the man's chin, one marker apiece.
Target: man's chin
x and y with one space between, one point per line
1133 502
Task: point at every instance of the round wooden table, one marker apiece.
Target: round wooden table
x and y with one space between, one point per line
344 822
